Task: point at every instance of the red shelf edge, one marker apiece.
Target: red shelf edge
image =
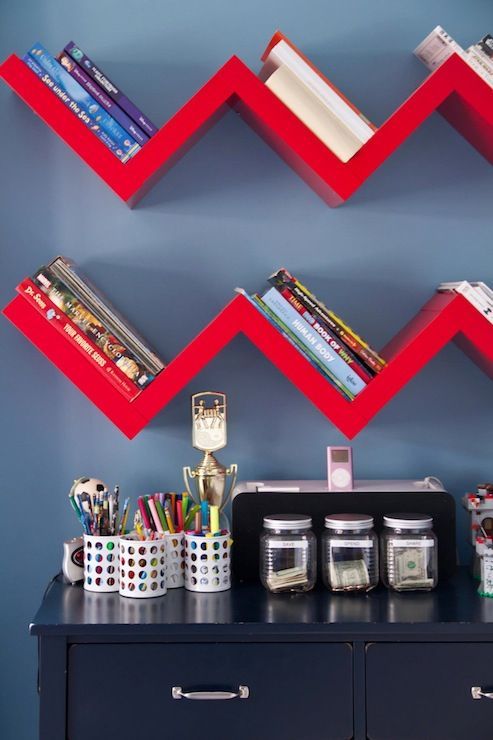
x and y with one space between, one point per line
454 89
443 319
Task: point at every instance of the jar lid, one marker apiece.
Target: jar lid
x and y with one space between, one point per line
408 521
287 521
348 521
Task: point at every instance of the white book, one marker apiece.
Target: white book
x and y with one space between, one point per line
313 113
436 48
282 54
481 64
481 298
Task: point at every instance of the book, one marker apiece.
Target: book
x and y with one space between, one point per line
75 279
78 110
83 104
343 352
439 46
302 330
111 107
256 301
52 313
330 320
436 48
282 52
90 325
478 294
313 113
486 45
481 63
113 91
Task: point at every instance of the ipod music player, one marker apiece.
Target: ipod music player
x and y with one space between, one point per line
339 469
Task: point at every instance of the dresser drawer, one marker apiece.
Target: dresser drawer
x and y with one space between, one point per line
124 691
424 691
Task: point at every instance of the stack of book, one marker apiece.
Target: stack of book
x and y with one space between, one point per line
79 312
314 99
93 98
478 294
439 46
326 340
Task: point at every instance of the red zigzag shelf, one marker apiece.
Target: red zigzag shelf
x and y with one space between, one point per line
444 318
454 89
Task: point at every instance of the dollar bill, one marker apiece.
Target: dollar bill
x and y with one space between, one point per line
348 574
411 568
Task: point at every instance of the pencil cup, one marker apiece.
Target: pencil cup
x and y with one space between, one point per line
175 559
101 571
207 563
142 568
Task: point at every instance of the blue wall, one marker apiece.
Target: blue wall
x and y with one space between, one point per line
227 215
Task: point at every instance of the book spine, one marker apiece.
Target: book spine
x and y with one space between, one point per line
332 322
71 275
30 292
296 343
111 107
92 327
81 114
117 95
79 98
304 332
481 66
328 336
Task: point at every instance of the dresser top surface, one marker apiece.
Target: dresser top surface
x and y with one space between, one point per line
247 611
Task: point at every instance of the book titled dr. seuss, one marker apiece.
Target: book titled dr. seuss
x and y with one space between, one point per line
91 324
60 321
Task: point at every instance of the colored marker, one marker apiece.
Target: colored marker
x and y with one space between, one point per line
154 514
143 511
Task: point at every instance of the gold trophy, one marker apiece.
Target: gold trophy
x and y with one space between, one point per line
209 435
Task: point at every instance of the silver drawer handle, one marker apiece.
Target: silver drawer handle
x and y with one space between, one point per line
478 693
242 693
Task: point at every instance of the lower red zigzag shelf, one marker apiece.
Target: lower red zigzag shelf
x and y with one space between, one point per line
444 318
454 89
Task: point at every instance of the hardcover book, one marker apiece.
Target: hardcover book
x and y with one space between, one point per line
92 327
52 313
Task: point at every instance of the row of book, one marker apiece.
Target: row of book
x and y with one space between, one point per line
439 46
69 301
91 96
316 101
344 358
478 294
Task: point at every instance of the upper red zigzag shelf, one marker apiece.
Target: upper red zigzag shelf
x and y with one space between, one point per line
444 318
454 89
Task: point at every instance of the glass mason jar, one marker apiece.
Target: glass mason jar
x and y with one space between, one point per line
409 552
288 553
349 553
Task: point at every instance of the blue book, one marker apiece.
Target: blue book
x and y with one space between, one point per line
81 103
256 301
312 341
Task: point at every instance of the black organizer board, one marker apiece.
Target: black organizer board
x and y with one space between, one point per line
248 510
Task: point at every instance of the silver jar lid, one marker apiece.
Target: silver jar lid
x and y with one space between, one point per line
408 521
348 521
287 521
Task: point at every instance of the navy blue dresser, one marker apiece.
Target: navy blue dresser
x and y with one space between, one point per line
245 664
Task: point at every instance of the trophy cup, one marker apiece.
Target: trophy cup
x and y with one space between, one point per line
209 435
